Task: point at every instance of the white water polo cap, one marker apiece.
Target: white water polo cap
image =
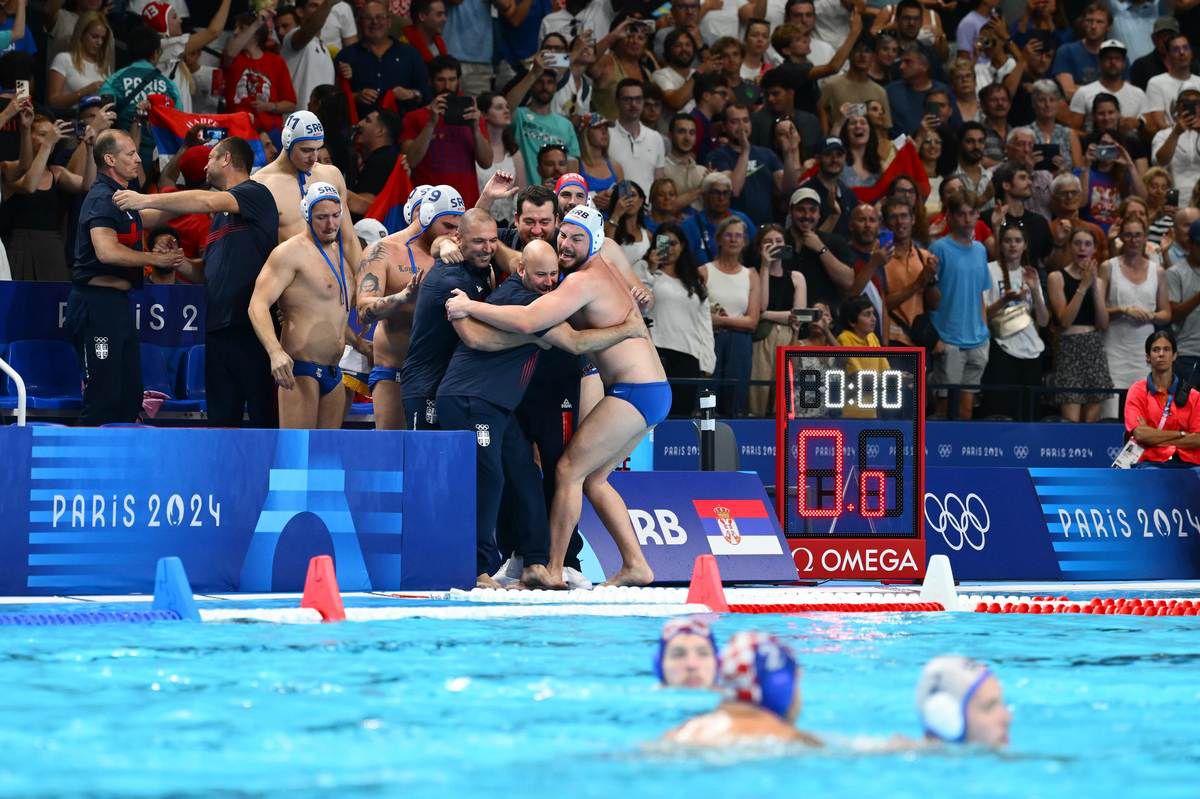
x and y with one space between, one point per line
317 192
591 221
414 201
301 126
946 686
440 201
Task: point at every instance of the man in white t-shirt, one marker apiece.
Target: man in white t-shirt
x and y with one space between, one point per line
675 78
832 21
1178 147
339 29
639 151
1162 90
725 21
180 51
307 59
1130 98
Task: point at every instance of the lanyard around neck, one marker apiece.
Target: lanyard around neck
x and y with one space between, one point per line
339 274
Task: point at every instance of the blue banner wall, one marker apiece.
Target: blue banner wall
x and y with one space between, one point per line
951 444
90 511
169 316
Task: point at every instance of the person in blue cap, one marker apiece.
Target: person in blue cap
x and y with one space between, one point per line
761 682
686 656
959 701
311 277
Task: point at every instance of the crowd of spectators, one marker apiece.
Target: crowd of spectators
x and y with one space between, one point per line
1011 185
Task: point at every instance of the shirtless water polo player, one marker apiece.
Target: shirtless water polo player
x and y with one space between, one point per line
312 279
637 395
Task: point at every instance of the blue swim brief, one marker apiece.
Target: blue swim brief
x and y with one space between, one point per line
653 400
378 373
328 377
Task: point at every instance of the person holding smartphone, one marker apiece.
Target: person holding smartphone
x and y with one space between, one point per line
781 292
444 141
682 331
1177 149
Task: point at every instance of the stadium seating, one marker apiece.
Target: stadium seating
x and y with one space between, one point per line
161 371
51 374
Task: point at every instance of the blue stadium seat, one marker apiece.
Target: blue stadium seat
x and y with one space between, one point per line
8 400
194 371
160 368
51 373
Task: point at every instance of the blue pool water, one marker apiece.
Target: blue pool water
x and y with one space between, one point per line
535 707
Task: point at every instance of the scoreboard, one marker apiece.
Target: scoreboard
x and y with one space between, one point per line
850 455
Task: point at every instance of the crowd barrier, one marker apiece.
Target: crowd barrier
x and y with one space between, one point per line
92 510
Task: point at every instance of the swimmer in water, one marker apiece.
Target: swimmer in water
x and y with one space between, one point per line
687 654
959 701
762 701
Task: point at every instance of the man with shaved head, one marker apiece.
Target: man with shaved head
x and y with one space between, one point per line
482 386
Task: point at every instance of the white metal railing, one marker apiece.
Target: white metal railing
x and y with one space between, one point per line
20 384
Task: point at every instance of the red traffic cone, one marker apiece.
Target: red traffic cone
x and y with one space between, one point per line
321 590
705 588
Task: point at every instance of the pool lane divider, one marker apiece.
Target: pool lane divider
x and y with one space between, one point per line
173 601
1097 606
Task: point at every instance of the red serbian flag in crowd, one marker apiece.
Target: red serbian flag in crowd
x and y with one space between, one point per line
388 205
737 526
170 127
905 162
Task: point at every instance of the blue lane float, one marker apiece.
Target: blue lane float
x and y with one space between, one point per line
173 601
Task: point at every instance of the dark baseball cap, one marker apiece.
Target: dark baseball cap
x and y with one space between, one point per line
830 144
1165 24
89 101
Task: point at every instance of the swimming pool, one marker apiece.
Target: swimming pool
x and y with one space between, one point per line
534 706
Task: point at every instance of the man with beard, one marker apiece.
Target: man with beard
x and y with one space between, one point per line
536 124
1111 81
637 394
485 382
677 78
976 177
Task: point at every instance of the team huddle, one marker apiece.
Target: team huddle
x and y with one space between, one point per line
482 314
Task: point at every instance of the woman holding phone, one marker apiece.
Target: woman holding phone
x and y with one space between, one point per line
682 331
1162 201
1077 298
627 223
735 305
780 292
1047 101
862 152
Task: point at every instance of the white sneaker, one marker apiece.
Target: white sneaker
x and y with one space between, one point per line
575 579
510 571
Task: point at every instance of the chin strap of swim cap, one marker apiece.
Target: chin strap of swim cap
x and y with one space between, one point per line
677 627
759 669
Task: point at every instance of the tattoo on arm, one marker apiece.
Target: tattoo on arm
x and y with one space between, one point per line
369 284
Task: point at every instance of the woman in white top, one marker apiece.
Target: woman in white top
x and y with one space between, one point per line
506 155
81 69
1137 302
733 298
1015 357
779 291
682 331
627 224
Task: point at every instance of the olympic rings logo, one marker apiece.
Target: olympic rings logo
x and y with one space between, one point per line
960 516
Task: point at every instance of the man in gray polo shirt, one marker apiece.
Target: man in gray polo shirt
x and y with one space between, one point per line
1183 290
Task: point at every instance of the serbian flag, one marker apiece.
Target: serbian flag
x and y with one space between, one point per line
738 527
388 205
905 162
170 126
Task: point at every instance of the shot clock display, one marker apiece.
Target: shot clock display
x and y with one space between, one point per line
850 454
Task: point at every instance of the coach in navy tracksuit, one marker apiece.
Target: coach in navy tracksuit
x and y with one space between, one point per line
108 264
433 338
